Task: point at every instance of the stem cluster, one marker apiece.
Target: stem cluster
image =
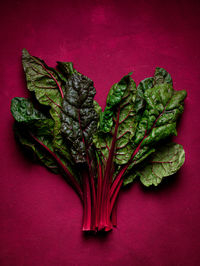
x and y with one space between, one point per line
100 208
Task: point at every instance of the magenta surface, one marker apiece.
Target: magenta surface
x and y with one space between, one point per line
41 216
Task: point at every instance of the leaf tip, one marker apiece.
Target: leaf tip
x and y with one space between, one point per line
25 52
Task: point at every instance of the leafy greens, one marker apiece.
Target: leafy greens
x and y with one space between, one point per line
99 151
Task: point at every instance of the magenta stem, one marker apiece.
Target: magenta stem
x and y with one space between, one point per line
87 202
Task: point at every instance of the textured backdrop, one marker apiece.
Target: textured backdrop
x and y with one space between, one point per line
40 216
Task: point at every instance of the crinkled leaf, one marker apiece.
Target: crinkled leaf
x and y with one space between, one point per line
79 118
166 161
163 106
162 76
29 121
114 98
120 106
48 85
160 110
155 106
43 80
23 111
141 88
30 125
97 108
29 143
26 114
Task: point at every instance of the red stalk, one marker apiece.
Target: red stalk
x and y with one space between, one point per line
94 204
114 215
71 178
109 224
105 208
93 192
115 188
117 180
115 194
99 193
87 202
123 170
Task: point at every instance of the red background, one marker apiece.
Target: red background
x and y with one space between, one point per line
40 216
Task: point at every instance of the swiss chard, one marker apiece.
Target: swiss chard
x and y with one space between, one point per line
99 151
78 124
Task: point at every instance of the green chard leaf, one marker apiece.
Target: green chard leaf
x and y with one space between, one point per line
97 108
23 111
142 87
166 161
29 121
48 85
146 116
161 108
45 81
119 116
35 131
79 118
162 76
25 139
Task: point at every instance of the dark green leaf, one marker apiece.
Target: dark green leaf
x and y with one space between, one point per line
79 118
23 111
66 68
162 76
23 136
142 87
163 107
